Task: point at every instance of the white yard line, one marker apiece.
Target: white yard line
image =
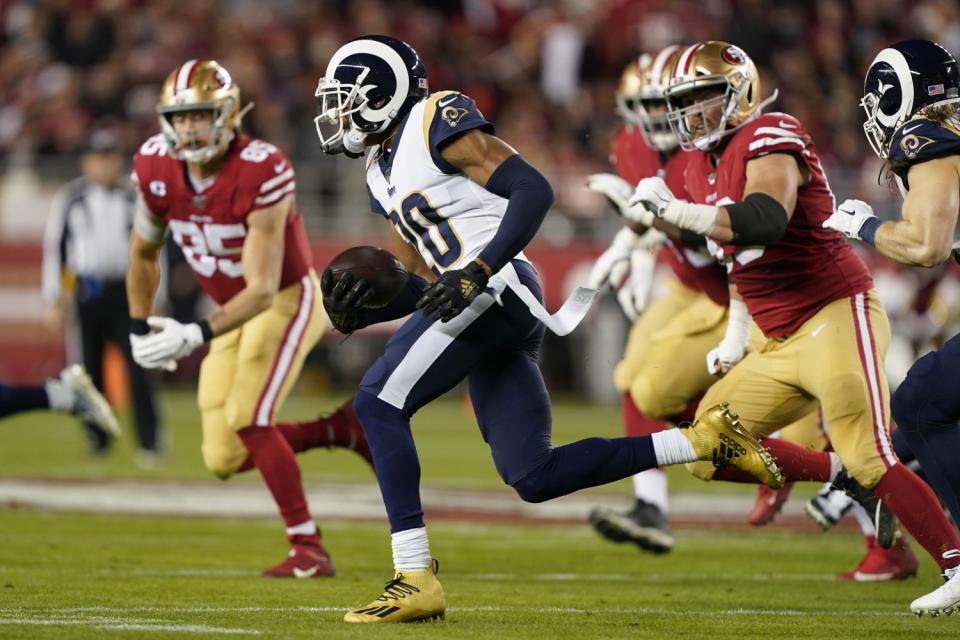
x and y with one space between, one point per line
349 501
14 616
123 623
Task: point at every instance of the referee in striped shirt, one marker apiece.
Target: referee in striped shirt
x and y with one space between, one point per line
86 243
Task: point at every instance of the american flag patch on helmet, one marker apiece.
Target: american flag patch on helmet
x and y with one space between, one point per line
422 83
935 90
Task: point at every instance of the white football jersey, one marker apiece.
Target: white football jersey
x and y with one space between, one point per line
436 208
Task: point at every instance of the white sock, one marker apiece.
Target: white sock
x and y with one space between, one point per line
672 447
307 528
651 486
60 396
863 519
835 465
411 549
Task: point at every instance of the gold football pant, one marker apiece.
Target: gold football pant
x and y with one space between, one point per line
664 362
835 359
249 371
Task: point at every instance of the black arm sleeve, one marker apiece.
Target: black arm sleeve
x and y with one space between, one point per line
530 197
759 219
692 238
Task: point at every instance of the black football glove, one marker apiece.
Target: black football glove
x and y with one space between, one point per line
453 291
344 300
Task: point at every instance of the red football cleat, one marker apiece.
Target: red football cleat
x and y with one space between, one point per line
768 504
304 561
879 565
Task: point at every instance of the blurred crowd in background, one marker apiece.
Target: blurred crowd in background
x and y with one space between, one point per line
544 70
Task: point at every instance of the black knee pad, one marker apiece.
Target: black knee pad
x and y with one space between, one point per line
531 489
918 400
905 404
368 408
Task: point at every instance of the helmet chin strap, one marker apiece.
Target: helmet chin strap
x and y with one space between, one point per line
354 142
244 111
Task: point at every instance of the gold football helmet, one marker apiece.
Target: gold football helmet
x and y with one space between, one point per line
731 83
201 85
641 88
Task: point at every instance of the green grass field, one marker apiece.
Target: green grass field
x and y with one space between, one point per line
65 575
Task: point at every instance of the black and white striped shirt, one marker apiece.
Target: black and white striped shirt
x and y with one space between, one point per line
87 234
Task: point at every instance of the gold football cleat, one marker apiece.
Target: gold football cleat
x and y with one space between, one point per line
718 437
411 596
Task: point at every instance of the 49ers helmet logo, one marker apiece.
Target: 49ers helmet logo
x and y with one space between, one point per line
733 55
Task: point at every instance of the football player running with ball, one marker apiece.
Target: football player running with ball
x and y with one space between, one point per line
759 193
462 205
228 200
912 103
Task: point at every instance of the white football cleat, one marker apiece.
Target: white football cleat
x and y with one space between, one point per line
944 599
88 403
829 506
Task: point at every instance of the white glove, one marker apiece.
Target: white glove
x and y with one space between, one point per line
635 292
619 192
615 188
612 265
849 218
652 239
733 347
654 196
136 346
172 342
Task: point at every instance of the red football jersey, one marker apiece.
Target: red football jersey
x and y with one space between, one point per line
210 227
783 284
694 267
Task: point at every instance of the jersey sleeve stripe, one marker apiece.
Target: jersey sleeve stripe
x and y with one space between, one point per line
772 142
276 195
272 183
777 131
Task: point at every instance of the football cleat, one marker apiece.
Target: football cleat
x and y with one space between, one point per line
828 506
884 522
412 596
304 561
880 565
645 525
88 403
768 504
945 598
717 436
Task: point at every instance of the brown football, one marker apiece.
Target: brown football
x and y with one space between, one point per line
384 273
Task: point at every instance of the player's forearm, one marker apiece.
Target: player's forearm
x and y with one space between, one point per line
908 244
143 280
253 300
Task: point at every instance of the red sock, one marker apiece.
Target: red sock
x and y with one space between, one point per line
796 463
635 423
339 429
274 458
689 413
306 540
912 500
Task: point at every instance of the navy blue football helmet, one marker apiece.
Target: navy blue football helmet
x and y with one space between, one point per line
370 83
904 79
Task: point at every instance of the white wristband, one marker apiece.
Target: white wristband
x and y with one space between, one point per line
739 324
699 218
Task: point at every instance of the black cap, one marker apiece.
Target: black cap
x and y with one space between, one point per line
103 141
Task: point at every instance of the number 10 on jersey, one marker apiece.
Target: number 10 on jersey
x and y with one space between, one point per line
434 231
